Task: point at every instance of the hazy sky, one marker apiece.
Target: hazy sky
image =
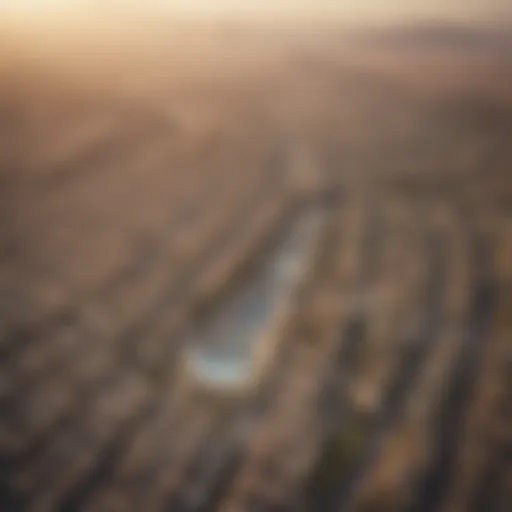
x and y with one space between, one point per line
348 10
351 9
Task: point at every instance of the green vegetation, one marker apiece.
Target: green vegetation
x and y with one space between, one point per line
337 458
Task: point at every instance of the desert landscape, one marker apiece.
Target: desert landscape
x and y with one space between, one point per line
149 195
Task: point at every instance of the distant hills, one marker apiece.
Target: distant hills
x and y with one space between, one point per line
438 35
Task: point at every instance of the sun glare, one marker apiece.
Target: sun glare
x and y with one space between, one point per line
32 10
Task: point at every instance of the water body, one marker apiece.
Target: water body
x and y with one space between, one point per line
221 351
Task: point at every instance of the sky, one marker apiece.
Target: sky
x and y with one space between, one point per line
345 10
351 9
